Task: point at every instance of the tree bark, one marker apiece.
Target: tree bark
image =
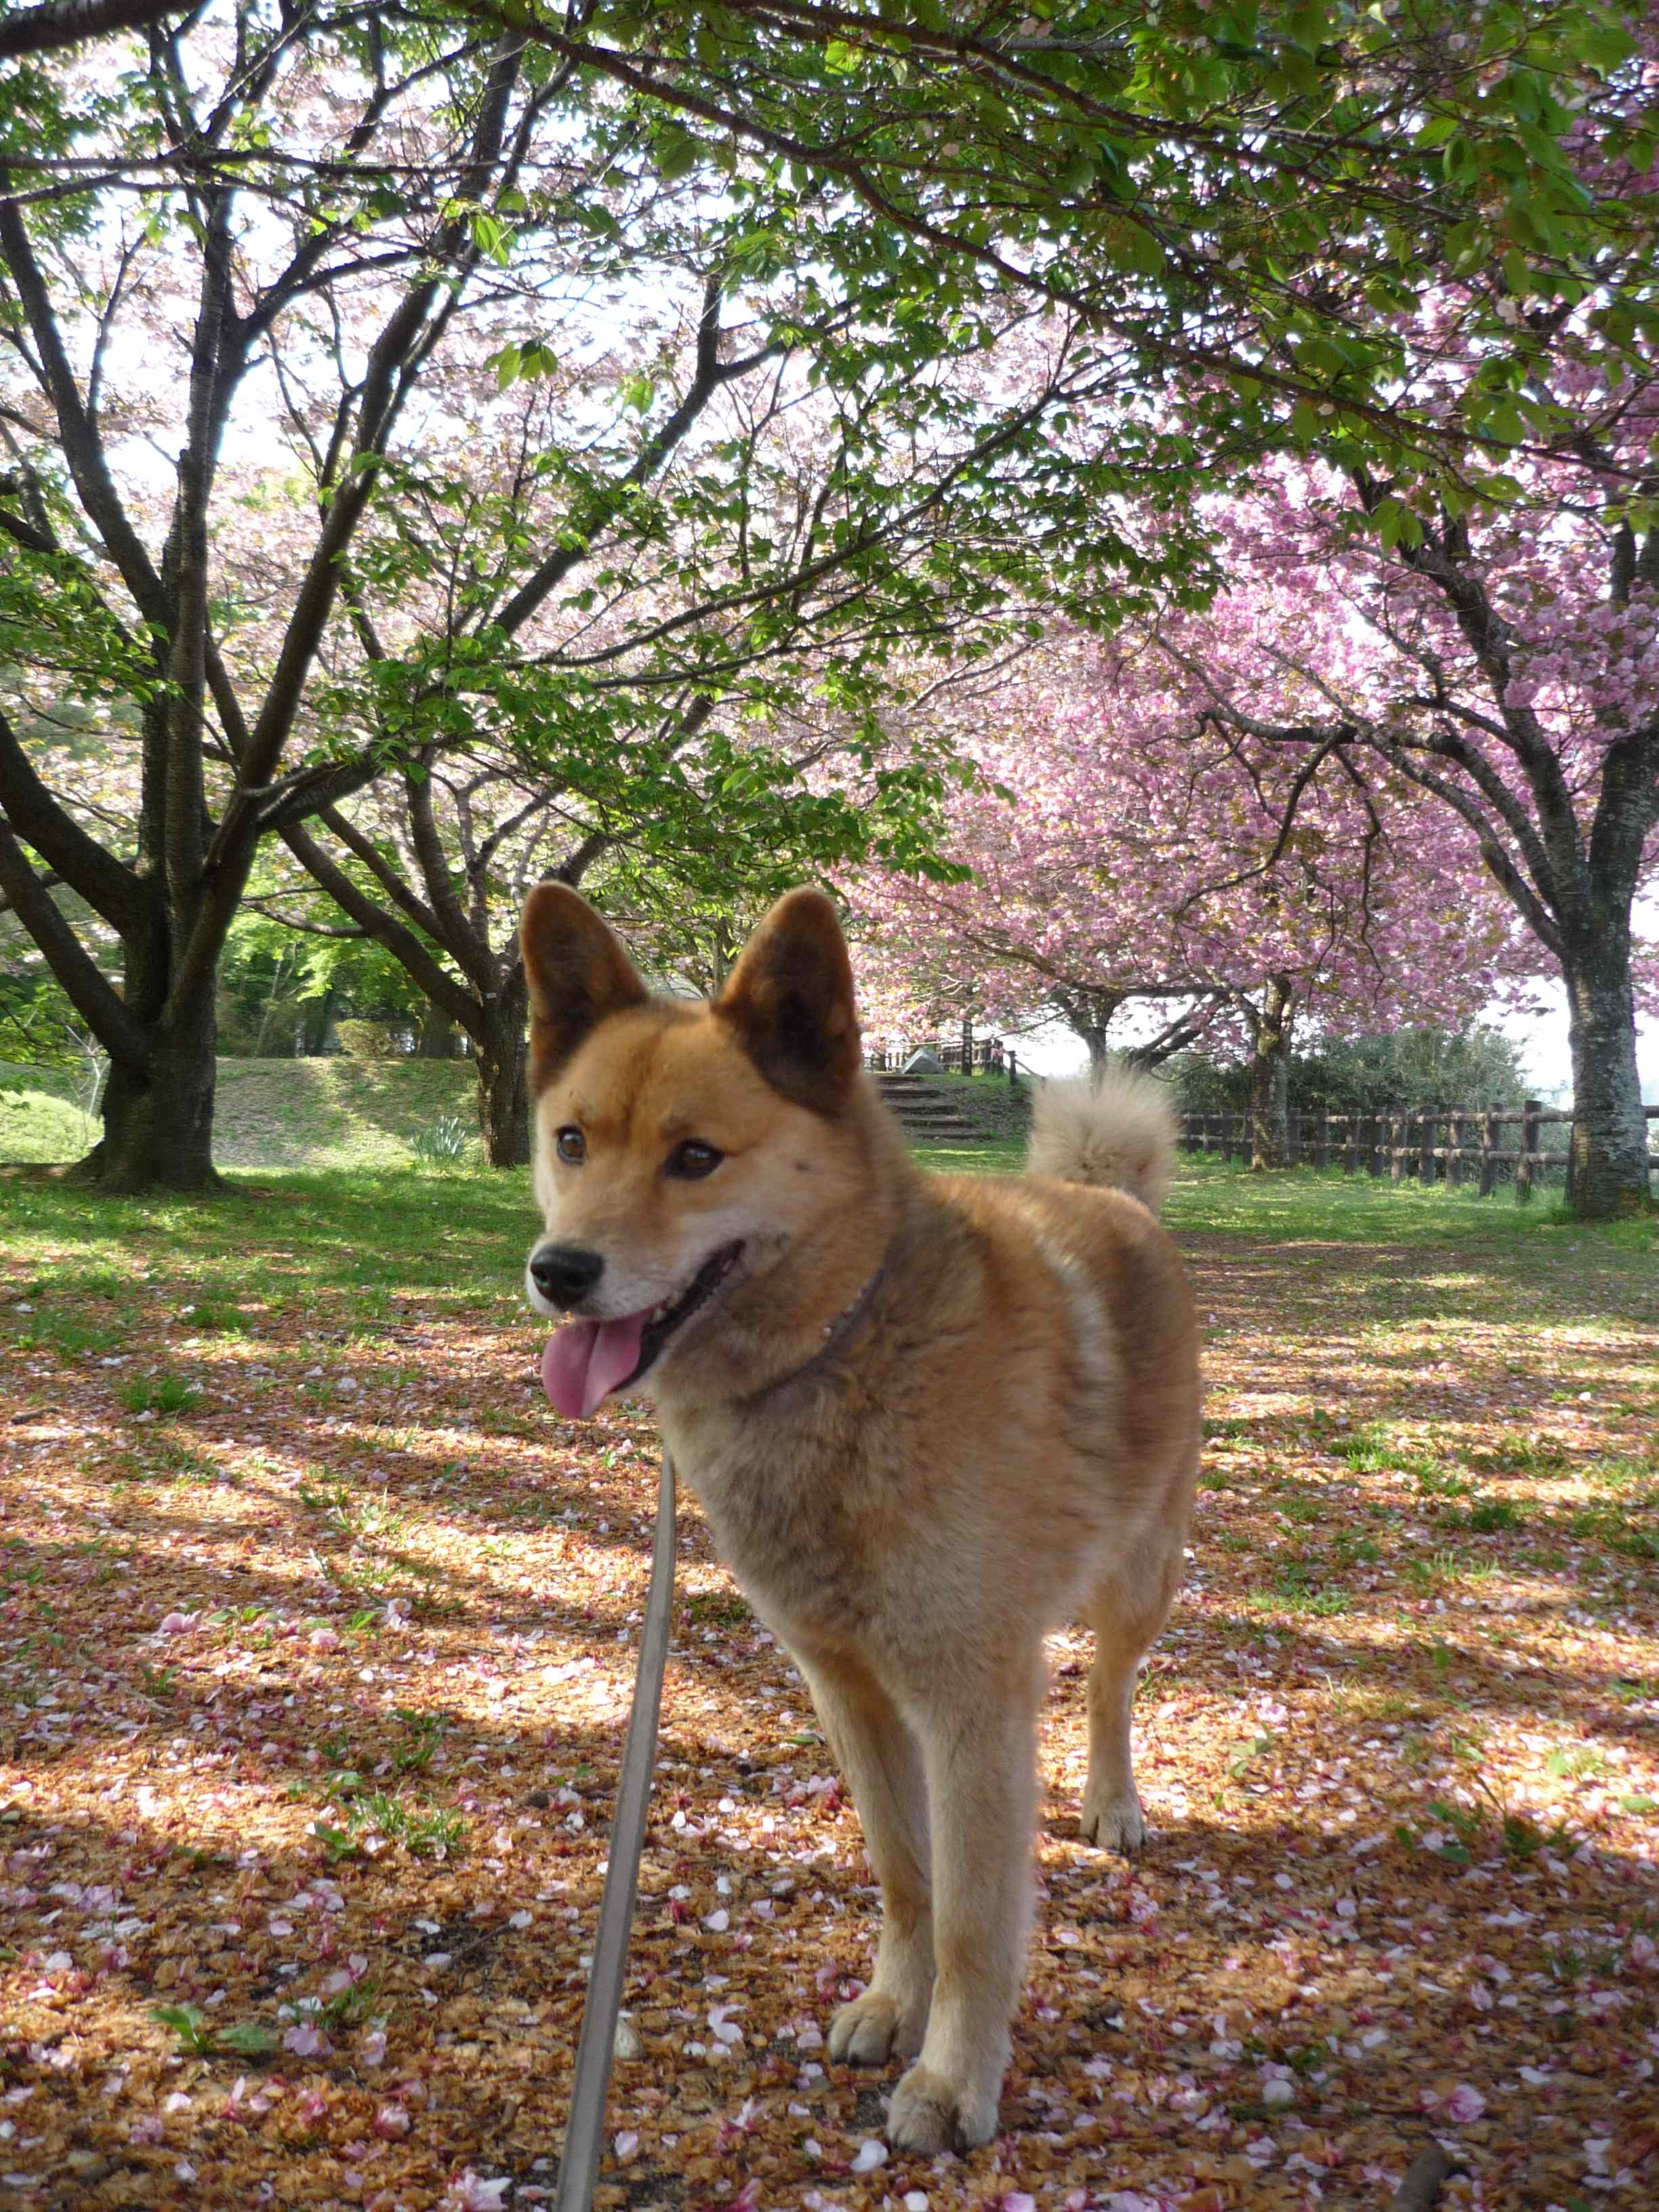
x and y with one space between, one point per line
1088 1014
504 1075
436 1040
1093 1035
1270 1078
1608 1172
158 1118
315 1015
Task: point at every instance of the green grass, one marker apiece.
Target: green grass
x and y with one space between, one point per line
272 1113
382 1233
1302 1205
301 1115
1004 1156
453 1243
1001 1111
160 1393
339 1113
39 1118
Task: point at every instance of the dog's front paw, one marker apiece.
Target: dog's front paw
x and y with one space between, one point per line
1116 1823
931 2113
869 2031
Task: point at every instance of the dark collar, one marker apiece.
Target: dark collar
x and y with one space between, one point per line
836 1334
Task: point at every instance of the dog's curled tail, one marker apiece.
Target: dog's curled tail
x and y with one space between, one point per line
1109 1127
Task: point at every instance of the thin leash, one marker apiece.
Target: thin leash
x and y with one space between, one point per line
584 2133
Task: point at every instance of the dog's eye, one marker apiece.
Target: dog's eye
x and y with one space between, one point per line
571 1145
694 1159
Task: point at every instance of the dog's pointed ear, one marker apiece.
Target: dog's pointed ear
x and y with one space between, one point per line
577 971
790 1001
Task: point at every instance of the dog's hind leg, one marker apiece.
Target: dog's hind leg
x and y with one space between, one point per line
1111 1807
882 1763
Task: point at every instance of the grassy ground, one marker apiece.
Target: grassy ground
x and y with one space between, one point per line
39 1117
991 1103
346 1114
317 1648
318 1114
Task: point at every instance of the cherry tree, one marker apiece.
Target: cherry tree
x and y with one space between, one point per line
1115 854
1504 662
207 192
367 240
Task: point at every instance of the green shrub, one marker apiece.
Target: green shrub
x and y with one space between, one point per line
371 1040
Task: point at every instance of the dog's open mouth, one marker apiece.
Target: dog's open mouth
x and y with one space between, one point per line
589 1359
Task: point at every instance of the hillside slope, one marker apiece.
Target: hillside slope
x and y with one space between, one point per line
345 1113
270 1113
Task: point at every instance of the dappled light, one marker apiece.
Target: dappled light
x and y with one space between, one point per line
320 1634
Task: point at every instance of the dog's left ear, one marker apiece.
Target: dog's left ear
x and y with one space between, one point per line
577 971
790 1001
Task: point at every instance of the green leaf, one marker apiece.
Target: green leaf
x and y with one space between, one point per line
1605 46
1435 132
678 153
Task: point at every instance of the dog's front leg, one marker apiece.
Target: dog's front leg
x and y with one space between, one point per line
882 1763
980 1756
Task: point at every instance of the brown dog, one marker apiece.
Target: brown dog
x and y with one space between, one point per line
929 1419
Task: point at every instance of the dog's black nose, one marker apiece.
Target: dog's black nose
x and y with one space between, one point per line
565 1272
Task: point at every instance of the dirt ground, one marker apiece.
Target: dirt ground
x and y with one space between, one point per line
312 1688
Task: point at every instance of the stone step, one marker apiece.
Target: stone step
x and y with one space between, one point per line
912 1086
923 1111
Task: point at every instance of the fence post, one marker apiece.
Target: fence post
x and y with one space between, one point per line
1227 1139
1397 1147
1454 1146
1531 1110
1191 1133
1370 1131
1426 1149
1322 1144
1013 1069
1488 1150
1351 1144
1292 1136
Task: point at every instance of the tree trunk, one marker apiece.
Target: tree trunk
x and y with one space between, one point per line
158 1119
315 1015
1609 1177
436 1040
1270 1079
504 1077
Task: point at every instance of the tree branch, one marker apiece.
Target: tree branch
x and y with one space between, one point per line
69 22
94 997
439 986
108 886
82 446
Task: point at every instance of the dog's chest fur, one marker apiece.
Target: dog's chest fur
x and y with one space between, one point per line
797 1523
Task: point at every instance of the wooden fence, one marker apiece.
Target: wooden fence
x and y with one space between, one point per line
1447 1144
979 1055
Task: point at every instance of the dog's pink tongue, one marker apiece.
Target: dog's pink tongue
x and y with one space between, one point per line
586 1361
